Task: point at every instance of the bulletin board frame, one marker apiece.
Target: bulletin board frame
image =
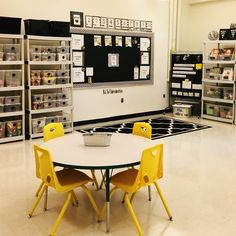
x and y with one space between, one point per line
114 33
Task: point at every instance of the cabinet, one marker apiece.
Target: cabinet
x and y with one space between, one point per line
186 80
218 101
12 96
48 83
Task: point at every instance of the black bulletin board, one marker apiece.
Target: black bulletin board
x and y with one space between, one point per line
128 58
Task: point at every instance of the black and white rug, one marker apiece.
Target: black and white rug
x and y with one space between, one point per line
161 127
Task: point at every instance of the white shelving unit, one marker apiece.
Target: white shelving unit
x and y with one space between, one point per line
218 101
12 96
48 83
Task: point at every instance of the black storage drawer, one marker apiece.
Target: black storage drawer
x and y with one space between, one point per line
37 27
59 28
10 25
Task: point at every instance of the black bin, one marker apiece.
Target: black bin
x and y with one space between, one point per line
60 28
224 34
10 25
37 27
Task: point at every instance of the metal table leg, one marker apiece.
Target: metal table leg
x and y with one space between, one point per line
107 200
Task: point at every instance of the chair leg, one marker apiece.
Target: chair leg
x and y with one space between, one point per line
105 205
132 197
37 200
95 179
75 198
163 201
133 215
45 199
39 188
61 214
91 199
103 179
149 193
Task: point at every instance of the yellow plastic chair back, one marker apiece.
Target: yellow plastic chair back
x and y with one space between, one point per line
142 129
45 167
52 130
151 166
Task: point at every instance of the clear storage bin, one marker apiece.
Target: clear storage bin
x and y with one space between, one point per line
13 78
48 73
63 73
37 125
48 80
212 110
35 57
49 97
48 57
12 99
64 118
226 112
35 49
37 98
63 103
50 104
37 105
228 93
35 79
213 91
2 129
12 107
67 125
1 56
63 80
48 49
11 52
1 100
63 95
63 56
13 128
51 119
63 49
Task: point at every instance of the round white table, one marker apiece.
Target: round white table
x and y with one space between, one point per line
125 150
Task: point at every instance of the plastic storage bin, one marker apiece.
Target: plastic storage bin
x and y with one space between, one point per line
48 80
228 93
35 56
35 79
182 110
37 27
51 119
48 49
1 108
11 52
63 80
37 105
64 118
48 57
37 125
48 73
12 107
13 78
10 25
63 56
67 125
35 49
13 128
12 99
63 95
49 97
212 109
50 104
37 98
213 91
226 112
63 73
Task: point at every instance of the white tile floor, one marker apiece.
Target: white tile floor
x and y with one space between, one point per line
199 185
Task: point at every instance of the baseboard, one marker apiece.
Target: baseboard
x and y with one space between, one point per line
129 116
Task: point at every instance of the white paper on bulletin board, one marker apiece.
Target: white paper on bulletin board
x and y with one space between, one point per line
144 44
144 72
77 41
78 58
78 75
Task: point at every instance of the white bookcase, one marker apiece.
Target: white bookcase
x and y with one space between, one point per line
48 83
12 96
218 95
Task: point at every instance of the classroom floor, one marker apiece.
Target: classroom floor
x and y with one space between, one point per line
199 185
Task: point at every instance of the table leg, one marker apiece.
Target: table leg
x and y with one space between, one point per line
107 200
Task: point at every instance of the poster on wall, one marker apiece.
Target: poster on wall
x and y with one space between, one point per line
77 41
76 19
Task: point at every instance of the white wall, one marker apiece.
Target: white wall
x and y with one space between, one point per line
91 103
197 20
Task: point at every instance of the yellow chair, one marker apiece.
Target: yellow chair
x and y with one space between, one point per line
51 131
142 129
64 181
131 180
145 130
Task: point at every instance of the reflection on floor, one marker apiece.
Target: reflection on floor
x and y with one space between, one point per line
198 184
